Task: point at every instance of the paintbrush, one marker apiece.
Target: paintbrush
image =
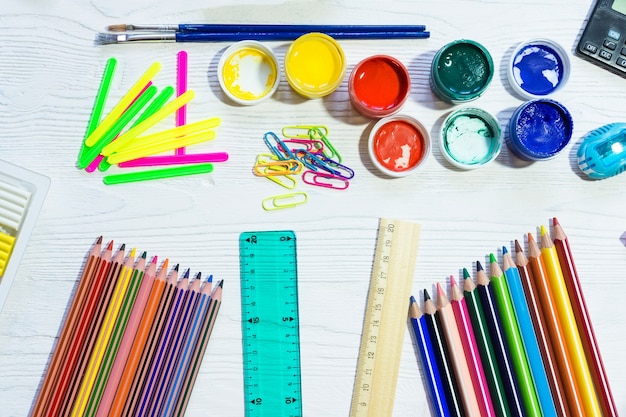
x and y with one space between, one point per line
263 28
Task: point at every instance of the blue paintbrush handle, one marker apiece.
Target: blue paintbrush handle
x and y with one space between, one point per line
282 36
262 28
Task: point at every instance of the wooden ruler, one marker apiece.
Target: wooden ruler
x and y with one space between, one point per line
385 318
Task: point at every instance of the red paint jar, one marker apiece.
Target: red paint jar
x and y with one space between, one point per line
379 86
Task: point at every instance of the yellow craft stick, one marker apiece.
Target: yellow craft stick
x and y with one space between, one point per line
123 104
161 114
104 336
168 134
175 143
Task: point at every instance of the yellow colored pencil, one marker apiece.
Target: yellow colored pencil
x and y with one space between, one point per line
104 335
575 349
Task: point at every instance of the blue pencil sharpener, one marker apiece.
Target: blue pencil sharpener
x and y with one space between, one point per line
602 153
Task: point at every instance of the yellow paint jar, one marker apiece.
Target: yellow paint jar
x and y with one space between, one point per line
248 72
315 65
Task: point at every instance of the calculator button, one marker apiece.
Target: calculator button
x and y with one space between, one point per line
591 48
623 51
621 62
613 34
608 44
605 54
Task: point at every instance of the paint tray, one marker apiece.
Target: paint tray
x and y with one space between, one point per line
22 194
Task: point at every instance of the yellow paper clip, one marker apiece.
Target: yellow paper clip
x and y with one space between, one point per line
278 202
302 131
285 167
287 181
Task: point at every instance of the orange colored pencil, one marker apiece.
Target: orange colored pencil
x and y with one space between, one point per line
143 331
68 329
553 324
588 337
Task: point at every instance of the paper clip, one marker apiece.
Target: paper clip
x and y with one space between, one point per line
302 131
284 201
311 145
329 149
322 179
283 167
338 169
276 151
287 181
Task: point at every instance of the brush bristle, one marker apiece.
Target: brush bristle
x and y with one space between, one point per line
107 38
117 28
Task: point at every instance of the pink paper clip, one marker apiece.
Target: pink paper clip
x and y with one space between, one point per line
322 179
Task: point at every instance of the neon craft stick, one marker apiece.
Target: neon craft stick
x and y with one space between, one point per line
130 332
461 367
442 355
555 330
492 317
161 114
199 350
158 174
122 105
158 102
94 329
514 341
92 153
191 339
587 334
568 320
116 337
485 347
529 338
428 360
80 335
541 332
101 97
104 336
57 363
470 347
181 87
159 160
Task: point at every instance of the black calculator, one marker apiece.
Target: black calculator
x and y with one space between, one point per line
603 41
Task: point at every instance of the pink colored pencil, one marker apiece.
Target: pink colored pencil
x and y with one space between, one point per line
127 340
470 347
159 160
181 87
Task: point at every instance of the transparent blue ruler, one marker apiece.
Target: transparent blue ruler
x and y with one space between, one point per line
270 324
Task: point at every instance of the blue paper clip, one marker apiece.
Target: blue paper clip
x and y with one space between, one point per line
338 168
276 151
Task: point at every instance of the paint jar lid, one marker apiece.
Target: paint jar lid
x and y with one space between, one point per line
248 72
470 138
378 86
398 145
537 68
461 71
539 129
315 65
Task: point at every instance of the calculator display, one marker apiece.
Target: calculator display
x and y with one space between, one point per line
620 6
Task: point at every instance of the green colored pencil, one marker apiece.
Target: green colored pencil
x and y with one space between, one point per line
485 346
514 341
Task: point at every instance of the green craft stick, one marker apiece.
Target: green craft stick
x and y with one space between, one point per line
98 106
152 108
92 152
485 346
514 341
158 173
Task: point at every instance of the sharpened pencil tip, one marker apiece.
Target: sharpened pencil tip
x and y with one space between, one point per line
518 247
466 273
199 275
210 278
555 221
186 275
123 247
412 299
144 254
110 246
479 266
492 258
426 295
504 250
221 284
543 230
176 267
99 240
133 252
452 281
440 291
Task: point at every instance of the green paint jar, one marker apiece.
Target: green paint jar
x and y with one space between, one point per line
461 71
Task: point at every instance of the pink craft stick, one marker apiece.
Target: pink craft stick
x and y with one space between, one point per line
159 160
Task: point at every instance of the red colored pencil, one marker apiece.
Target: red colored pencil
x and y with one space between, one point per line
67 332
587 335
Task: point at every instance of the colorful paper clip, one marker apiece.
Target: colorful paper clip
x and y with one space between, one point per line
338 169
311 145
322 179
283 154
282 167
284 201
287 181
302 131
329 150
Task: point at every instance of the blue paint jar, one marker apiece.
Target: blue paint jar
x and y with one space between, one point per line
537 68
539 129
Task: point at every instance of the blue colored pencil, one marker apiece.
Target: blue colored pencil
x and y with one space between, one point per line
429 361
529 337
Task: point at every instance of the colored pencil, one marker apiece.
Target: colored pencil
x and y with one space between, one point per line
487 299
82 328
541 332
485 347
199 350
165 340
514 340
461 367
136 278
470 347
150 344
428 360
442 355
185 357
577 299
568 320
527 332
66 336
553 324
130 332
